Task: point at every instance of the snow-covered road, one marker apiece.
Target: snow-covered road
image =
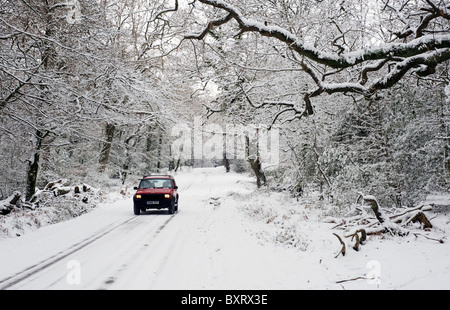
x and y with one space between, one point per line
202 246
225 236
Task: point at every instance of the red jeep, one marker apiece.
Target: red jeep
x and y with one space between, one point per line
156 192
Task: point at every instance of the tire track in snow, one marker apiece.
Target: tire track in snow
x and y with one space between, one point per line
186 257
150 251
135 254
23 275
143 264
136 227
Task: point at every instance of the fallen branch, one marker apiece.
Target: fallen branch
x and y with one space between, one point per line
363 235
396 224
342 251
353 279
407 211
429 238
371 200
359 240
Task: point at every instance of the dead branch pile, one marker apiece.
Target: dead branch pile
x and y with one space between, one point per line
41 197
377 222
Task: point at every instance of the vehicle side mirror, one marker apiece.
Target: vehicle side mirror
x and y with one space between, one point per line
176 187
135 188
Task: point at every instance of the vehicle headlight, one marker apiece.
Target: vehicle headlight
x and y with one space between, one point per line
138 196
167 196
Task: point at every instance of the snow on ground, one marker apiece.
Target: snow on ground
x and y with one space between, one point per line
52 209
227 235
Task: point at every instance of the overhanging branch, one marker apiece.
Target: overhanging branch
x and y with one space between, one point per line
334 60
421 55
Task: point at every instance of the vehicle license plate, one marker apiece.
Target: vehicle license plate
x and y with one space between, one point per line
153 202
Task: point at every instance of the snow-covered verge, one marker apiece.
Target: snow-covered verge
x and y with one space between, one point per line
53 205
418 260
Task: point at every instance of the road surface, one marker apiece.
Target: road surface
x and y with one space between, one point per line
203 246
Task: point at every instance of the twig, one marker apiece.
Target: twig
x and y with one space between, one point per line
354 279
438 240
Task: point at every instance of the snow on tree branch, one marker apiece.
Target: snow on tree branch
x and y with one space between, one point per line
420 55
334 60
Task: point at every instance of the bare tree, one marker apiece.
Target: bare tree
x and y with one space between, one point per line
65 71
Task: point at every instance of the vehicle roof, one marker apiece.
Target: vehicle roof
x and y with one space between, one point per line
163 176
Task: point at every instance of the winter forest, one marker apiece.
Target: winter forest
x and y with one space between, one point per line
90 90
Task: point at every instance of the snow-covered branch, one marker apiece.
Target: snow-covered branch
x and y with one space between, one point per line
420 55
334 60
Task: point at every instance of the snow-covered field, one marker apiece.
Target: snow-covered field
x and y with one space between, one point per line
227 235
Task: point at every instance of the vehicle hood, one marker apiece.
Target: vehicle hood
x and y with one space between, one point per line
155 191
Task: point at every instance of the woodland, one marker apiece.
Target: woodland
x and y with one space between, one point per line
90 89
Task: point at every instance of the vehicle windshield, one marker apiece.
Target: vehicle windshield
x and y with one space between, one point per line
155 183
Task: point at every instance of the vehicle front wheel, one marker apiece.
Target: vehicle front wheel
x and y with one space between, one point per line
137 210
172 208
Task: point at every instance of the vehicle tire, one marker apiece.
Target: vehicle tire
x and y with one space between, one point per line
137 210
172 207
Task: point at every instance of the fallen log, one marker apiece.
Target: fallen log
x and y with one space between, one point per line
15 198
63 190
422 219
9 203
51 186
25 204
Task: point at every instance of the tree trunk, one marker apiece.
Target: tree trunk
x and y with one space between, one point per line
225 160
130 144
33 166
446 141
106 149
159 152
48 57
255 164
